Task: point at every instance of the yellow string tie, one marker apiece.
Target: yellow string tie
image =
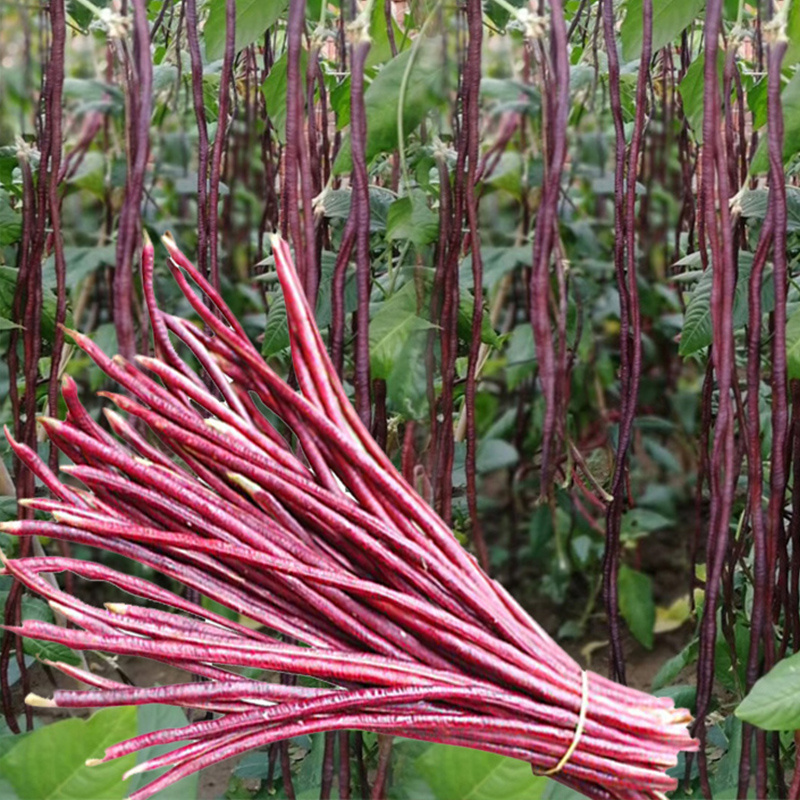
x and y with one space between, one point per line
578 730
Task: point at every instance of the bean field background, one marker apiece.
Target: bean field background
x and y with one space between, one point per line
553 251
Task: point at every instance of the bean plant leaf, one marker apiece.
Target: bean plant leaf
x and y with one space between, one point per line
670 17
692 92
792 55
452 772
50 763
423 91
157 717
10 222
697 327
276 332
774 701
80 262
392 325
638 522
274 89
754 204
253 18
636 604
495 454
793 344
790 100
465 308
411 218
35 608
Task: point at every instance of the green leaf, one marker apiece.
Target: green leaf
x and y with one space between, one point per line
774 701
49 764
406 384
790 100
464 323
732 678
253 18
36 609
691 90
80 262
382 98
157 717
684 695
336 205
10 222
639 522
395 322
754 203
793 345
90 174
275 89
7 324
697 329
458 772
670 17
792 55
276 333
494 454
520 356
725 778
381 49
636 604
410 218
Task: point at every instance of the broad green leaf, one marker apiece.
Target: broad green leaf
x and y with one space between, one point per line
691 91
725 777
793 345
253 18
406 384
494 454
7 324
394 323
382 99
35 608
754 204
774 701
90 174
638 522
8 284
276 333
557 791
275 89
411 218
636 604
520 356
381 48
684 695
157 717
732 678
9 161
697 328
458 772
80 262
792 34
464 323
670 17
49 764
790 100
336 205
10 222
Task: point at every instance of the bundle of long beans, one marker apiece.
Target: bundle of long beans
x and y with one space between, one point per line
277 503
